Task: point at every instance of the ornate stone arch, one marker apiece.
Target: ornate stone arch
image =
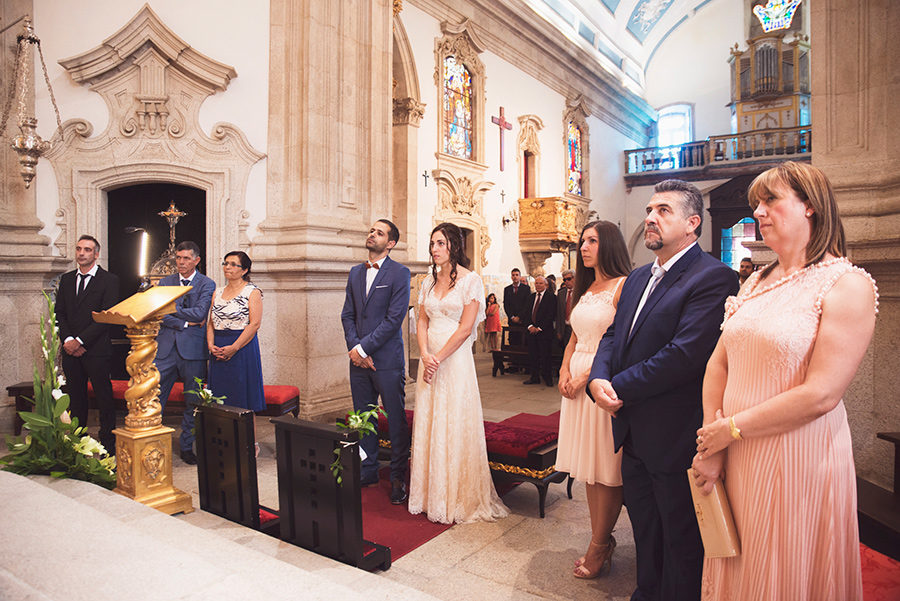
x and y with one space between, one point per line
529 126
153 84
461 41
461 201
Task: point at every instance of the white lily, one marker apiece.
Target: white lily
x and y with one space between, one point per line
89 446
56 393
61 379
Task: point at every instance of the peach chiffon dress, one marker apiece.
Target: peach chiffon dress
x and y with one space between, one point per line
585 448
793 495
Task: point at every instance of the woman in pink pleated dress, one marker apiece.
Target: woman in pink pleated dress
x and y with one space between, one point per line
775 428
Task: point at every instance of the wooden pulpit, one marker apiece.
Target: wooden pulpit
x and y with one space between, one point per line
144 446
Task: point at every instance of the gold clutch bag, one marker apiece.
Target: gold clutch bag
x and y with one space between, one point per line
720 537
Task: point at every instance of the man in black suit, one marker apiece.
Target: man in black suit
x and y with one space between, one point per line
564 307
538 318
87 350
515 298
648 374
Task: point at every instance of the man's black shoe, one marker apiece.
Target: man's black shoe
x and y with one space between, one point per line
531 381
368 480
549 383
399 492
189 457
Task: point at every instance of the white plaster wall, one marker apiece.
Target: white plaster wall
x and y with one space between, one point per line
234 32
519 94
690 66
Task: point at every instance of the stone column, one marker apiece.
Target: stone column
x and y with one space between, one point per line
329 176
407 115
855 53
26 264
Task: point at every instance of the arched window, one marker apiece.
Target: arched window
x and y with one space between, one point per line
675 125
574 156
457 109
733 238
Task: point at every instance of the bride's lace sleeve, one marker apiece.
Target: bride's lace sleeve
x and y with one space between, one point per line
473 289
424 287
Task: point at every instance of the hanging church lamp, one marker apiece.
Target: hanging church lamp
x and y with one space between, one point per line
27 143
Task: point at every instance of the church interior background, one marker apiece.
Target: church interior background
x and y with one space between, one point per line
285 127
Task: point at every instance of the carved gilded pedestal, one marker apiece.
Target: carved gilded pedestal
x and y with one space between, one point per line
144 445
548 225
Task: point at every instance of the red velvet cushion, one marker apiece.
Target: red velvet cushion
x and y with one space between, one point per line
265 517
383 423
279 395
516 442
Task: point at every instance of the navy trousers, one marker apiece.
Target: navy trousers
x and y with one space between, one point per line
389 384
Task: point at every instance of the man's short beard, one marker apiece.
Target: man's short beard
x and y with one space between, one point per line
653 244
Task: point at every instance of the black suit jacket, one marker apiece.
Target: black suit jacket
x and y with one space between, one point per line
514 302
546 313
657 370
74 315
561 310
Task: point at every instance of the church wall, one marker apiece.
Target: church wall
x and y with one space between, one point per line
683 70
237 36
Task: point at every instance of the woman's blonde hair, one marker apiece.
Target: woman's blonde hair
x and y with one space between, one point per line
813 188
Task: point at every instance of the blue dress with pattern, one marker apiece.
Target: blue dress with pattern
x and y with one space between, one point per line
240 378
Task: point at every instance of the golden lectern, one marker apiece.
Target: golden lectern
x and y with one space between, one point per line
144 446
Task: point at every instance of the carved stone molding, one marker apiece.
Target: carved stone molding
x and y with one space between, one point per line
527 141
461 201
153 84
534 262
461 41
577 112
408 111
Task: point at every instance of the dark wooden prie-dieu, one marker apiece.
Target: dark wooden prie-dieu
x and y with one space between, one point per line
316 512
226 467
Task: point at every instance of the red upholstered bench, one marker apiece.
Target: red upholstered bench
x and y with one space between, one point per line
518 454
280 400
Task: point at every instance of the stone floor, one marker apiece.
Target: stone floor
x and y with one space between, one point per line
519 557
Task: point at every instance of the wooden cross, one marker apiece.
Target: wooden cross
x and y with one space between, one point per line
502 196
502 123
425 175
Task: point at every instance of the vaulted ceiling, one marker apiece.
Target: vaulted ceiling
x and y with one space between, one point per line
624 34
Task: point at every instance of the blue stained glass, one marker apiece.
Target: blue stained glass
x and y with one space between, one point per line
457 109
573 149
727 257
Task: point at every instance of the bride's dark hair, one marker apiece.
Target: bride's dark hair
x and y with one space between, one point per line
454 238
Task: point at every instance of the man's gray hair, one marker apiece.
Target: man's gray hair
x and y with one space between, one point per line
691 198
568 272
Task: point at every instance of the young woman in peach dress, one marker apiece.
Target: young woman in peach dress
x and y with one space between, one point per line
585 431
775 428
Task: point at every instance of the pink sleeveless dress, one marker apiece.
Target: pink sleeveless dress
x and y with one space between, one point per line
585 448
793 494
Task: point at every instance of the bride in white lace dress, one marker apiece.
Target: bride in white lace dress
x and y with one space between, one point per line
450 479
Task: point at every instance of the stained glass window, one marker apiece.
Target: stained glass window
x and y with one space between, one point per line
573 148
457 109
733 237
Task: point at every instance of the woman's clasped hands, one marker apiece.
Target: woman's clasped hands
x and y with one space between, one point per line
430 364
223 353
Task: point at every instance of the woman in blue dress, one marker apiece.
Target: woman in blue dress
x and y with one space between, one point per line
235 369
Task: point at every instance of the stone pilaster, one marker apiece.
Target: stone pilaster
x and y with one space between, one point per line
854 88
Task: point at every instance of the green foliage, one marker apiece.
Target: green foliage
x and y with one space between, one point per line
358 421
204 394
54 444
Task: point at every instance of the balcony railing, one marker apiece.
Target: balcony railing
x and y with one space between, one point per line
732 149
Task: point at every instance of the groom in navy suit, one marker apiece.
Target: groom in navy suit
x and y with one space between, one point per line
648 374
377 301
182 338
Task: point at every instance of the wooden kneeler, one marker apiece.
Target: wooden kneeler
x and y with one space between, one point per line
317 513
226 467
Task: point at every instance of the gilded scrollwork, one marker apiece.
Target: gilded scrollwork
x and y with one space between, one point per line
144 410
153 460
124 467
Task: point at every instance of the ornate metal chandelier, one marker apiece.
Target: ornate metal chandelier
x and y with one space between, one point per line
27 144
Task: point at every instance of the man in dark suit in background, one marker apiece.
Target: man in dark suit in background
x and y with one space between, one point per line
538 318
181 342
515 298
648 374
376 303
564 307
87 350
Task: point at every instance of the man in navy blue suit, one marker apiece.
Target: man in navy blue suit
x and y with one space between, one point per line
377 301
182 338
648 374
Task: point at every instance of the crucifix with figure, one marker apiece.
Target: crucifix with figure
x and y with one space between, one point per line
502 123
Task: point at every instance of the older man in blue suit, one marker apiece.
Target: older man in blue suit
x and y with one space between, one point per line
181 342
648 374
377 301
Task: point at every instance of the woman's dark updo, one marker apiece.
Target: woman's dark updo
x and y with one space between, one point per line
245 262
454 238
